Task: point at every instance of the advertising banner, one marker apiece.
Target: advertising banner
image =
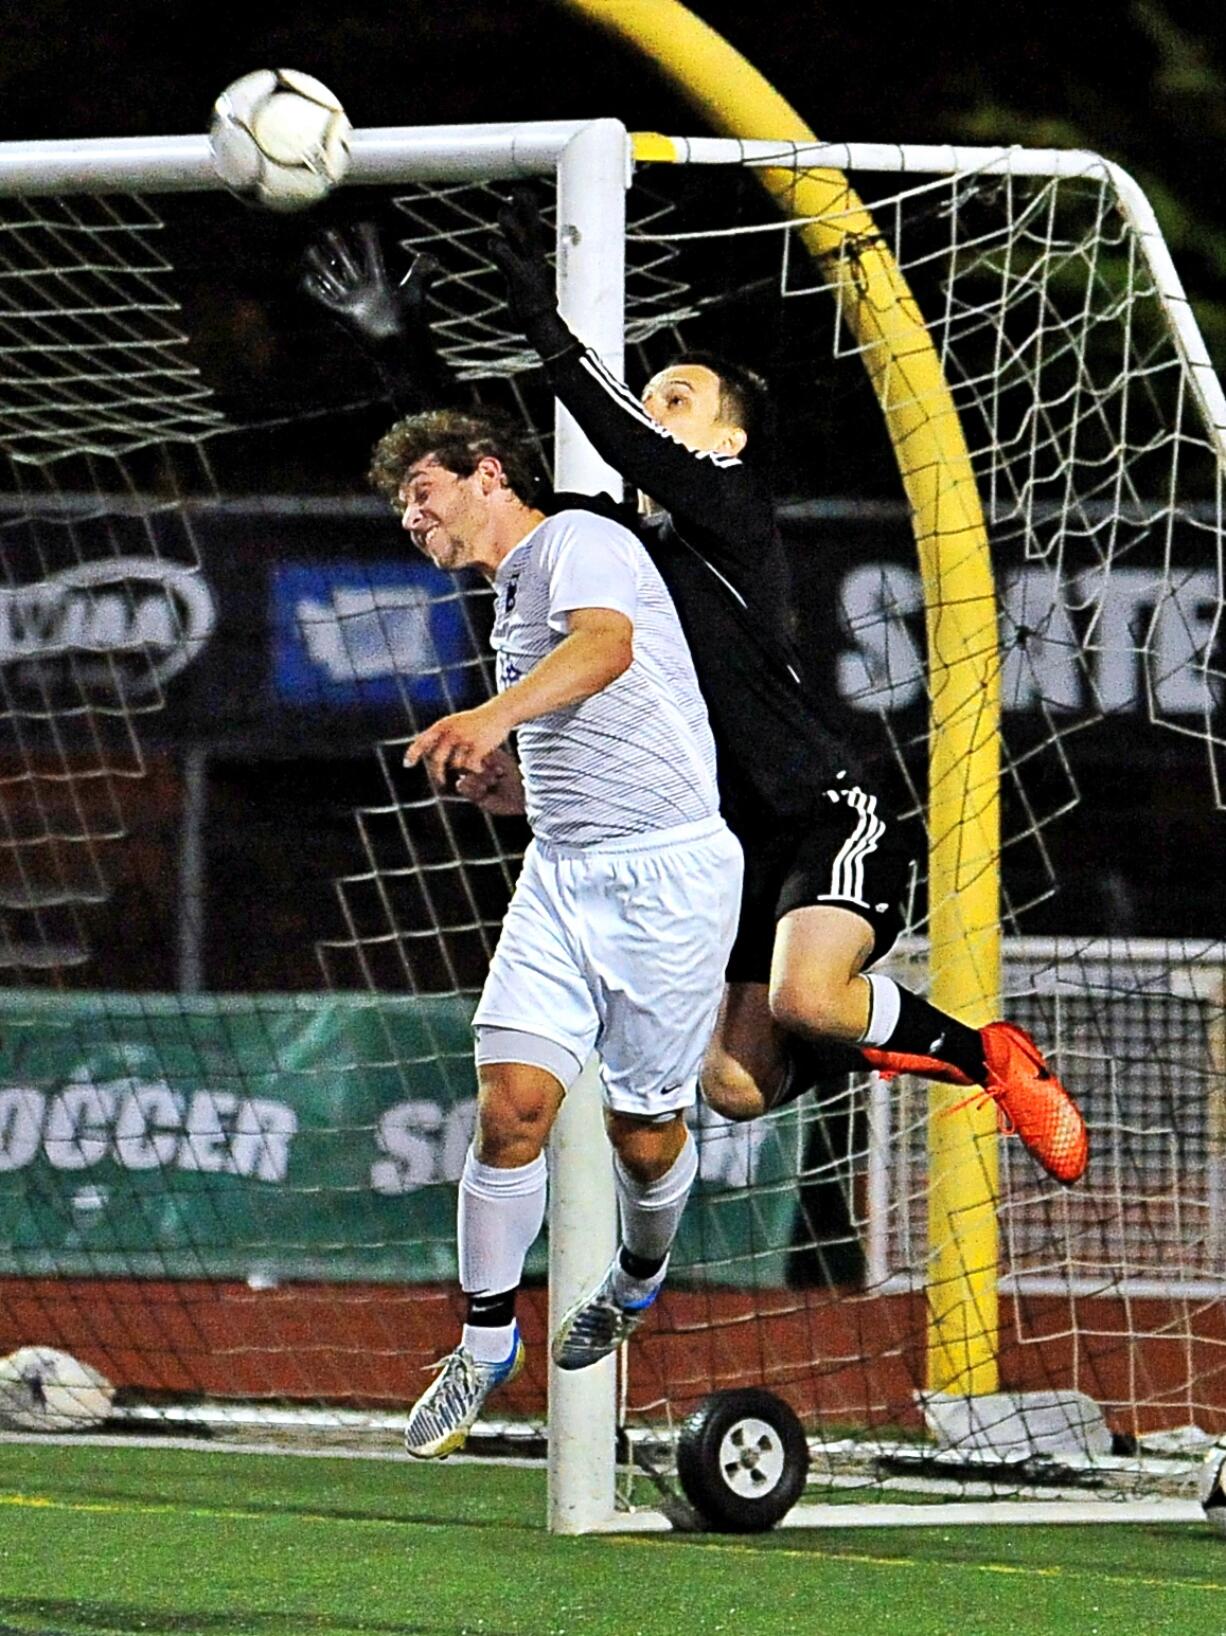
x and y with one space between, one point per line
300 626
299 1136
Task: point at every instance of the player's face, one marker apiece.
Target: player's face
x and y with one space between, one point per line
444 512
684 399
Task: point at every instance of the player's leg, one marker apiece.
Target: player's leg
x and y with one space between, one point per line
819 989
752 1063
658 938
501 1203
534 1028
841 910
500 1211
655 1164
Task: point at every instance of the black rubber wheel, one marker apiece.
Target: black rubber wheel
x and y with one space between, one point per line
742 1459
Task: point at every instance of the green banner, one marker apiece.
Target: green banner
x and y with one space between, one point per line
300 1136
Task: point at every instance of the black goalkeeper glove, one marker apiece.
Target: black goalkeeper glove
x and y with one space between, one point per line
518 249
346 275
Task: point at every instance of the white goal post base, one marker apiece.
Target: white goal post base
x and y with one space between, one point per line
958 1514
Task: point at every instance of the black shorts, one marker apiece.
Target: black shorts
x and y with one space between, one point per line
847 852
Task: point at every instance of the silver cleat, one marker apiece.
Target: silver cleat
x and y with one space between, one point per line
597 1325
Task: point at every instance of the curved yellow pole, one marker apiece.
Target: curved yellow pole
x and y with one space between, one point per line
964 757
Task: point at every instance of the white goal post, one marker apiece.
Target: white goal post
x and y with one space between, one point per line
990 1234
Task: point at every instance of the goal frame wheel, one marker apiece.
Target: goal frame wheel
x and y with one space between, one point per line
743 1460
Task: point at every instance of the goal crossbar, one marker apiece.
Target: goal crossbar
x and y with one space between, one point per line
396 154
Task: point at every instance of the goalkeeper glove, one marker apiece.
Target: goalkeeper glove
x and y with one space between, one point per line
346 275
518 250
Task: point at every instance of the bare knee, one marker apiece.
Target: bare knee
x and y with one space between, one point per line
516 1107
647 1150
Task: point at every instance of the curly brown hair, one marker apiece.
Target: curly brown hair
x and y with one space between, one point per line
458 441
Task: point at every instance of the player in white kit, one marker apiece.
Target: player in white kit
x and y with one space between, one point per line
620 926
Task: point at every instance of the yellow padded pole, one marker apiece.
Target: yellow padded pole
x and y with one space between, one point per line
964 755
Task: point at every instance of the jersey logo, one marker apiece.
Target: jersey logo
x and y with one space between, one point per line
512 593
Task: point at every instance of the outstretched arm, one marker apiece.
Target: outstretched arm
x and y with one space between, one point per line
717 492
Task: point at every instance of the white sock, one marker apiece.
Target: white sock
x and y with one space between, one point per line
884 1006
488 1343
500 1214
650 1216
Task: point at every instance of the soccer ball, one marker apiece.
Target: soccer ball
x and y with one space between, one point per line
279 138
44 1390
1211 1491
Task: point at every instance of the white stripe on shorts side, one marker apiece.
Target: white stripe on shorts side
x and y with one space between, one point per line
847 875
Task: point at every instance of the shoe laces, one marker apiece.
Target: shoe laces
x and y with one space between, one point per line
457 1380
599 1317
998 1091
977 1098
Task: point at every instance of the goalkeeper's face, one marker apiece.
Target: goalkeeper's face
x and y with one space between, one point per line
687 400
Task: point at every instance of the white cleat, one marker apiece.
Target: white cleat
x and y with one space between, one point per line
441 1419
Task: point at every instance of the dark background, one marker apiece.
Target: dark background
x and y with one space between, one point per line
1144 83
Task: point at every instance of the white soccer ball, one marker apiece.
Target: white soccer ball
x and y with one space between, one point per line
42 1389
279 138
1211 1491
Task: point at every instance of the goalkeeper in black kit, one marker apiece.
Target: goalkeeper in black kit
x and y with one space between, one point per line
826 871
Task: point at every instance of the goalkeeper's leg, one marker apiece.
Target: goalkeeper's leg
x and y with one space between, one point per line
819 990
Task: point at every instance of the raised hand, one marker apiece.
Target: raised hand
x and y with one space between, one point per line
345 273
520 250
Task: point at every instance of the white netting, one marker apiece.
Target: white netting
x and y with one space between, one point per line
92 343
476 335
101 603
248 1190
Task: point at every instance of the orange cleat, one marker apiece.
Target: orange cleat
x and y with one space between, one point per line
1031 1101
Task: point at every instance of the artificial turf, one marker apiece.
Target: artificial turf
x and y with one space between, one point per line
129 1539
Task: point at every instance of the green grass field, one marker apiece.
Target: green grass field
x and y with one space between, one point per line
99 1540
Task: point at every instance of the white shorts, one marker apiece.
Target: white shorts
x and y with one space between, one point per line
622 948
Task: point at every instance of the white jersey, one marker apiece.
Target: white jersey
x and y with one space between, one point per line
638 756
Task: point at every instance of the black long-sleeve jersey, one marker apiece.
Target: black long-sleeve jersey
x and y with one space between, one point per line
718 550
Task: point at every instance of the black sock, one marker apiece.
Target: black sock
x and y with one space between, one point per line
492 1311
923 1031
639 1267
812 1062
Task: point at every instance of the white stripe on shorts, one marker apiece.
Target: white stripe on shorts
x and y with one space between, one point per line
847 875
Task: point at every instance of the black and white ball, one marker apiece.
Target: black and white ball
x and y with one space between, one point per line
279 139
45 1390
1212 1487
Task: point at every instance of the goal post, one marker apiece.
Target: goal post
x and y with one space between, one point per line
593 176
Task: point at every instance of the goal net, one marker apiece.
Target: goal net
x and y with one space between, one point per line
240 943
